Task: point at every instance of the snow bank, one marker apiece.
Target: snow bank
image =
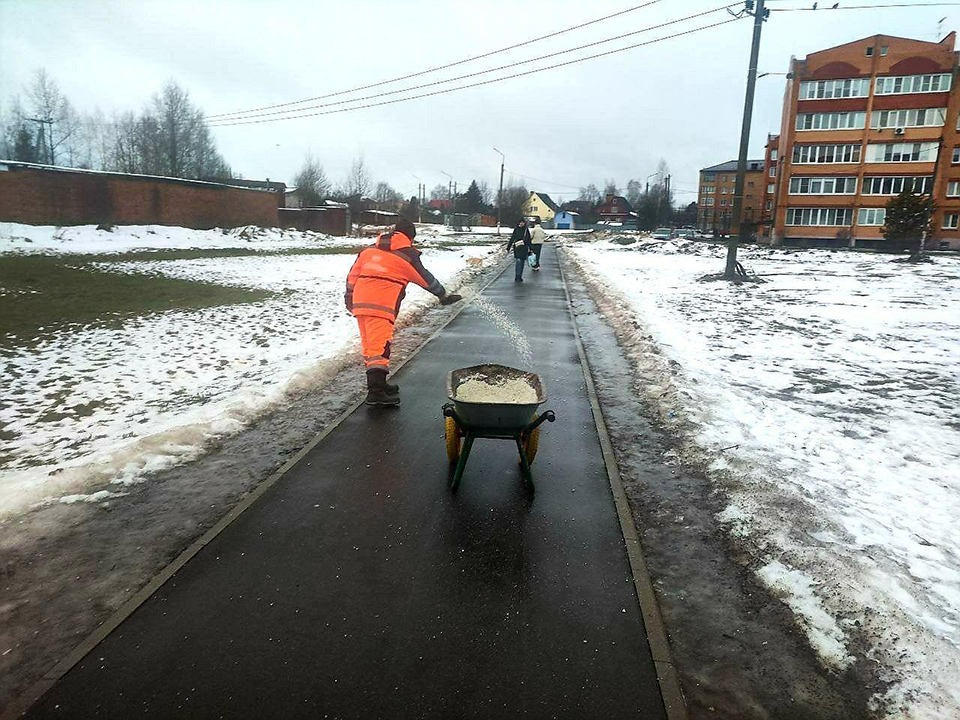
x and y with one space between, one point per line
86 239
825 405
91 406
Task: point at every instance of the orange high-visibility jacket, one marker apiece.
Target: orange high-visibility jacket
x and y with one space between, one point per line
378 279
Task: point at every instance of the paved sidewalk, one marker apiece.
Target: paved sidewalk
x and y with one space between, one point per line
360 587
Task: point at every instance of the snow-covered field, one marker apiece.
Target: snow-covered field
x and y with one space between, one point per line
825 406
96 408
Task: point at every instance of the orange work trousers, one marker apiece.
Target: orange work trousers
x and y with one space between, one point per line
375 336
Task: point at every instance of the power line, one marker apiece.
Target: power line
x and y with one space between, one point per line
443 67
474 74
867 7
483 82
545 182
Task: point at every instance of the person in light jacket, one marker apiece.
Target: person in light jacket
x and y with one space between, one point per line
520 243
537 236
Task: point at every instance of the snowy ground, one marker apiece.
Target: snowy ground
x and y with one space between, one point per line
88 410
825 406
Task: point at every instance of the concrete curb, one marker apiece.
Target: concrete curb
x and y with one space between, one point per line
670 690
24 702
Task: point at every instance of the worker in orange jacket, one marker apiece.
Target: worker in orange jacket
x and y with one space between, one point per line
376 286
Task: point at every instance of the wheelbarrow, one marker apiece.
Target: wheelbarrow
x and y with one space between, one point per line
466 421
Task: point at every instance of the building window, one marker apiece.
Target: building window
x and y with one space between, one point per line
872 216
902 152
906 84
709 202
723 191
769 205
723 201
773 171
771 188
831 121
956 156
773 155
894 185
827 89
823 185
883 50
870 52
830 217
709 177
825 154
951 221
923 117
953 188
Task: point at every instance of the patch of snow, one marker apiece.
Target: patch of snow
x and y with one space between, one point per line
89 406
825 406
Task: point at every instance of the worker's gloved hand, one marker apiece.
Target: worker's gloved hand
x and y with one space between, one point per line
449 299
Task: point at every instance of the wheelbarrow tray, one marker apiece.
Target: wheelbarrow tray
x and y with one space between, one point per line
505 417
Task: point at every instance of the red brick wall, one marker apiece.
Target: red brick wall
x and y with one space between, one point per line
37 196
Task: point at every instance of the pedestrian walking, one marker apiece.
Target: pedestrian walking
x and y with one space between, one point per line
537 238
520 243
376 286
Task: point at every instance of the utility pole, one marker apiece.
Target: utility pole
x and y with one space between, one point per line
759 13
454 197
503 160
419 199
449 186
45 141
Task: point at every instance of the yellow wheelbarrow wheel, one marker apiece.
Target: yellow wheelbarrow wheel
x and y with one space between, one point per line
531 444
454 439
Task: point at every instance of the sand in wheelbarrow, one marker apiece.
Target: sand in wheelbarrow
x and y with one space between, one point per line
485 389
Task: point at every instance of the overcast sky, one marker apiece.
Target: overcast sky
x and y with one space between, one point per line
612 117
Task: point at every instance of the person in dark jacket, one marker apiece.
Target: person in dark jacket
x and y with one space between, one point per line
520 243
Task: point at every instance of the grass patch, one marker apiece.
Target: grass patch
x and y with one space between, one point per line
42 291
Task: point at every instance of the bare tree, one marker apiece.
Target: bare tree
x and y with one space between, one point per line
311 181
384 194
634 192
440 192
514 196
590 193
610 188
358 181
61 124
486 194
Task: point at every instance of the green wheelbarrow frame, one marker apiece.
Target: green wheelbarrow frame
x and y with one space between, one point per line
472 432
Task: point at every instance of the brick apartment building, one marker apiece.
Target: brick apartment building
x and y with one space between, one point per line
715 198
861 122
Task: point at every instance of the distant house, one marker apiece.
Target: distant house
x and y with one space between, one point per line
440 204
615 209
566 220
540 205
584 208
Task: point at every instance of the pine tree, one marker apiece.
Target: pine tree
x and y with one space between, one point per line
908 219
473 199
24 148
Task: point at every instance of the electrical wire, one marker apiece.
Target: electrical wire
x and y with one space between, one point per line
545 182
474 74
866 7
482 82
443 67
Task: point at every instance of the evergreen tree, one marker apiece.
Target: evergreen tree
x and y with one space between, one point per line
473 199
24 148
908 219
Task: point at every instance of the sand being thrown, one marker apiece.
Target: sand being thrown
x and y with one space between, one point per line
484 389
499 317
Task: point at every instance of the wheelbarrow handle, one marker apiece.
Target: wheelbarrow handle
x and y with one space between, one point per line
547 416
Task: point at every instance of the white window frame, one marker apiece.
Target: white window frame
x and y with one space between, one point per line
832 89
872 217
831 217
951 221
771 188
956 155
913 84
821 185
953 188
773 155
904 152
874 184
769 205
709 202
819 154
908 118
846 120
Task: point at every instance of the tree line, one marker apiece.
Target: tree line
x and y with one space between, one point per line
168 137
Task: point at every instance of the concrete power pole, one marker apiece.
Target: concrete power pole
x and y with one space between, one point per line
760 14
503 159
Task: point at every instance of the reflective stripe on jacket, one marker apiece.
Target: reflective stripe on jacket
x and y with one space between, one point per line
378 279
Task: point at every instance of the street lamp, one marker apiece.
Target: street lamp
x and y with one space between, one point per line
503 159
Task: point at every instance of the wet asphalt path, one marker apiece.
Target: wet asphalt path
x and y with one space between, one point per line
360 587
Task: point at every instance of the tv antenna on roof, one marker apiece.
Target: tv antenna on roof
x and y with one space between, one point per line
940 27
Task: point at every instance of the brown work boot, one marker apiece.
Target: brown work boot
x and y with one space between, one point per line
377 392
